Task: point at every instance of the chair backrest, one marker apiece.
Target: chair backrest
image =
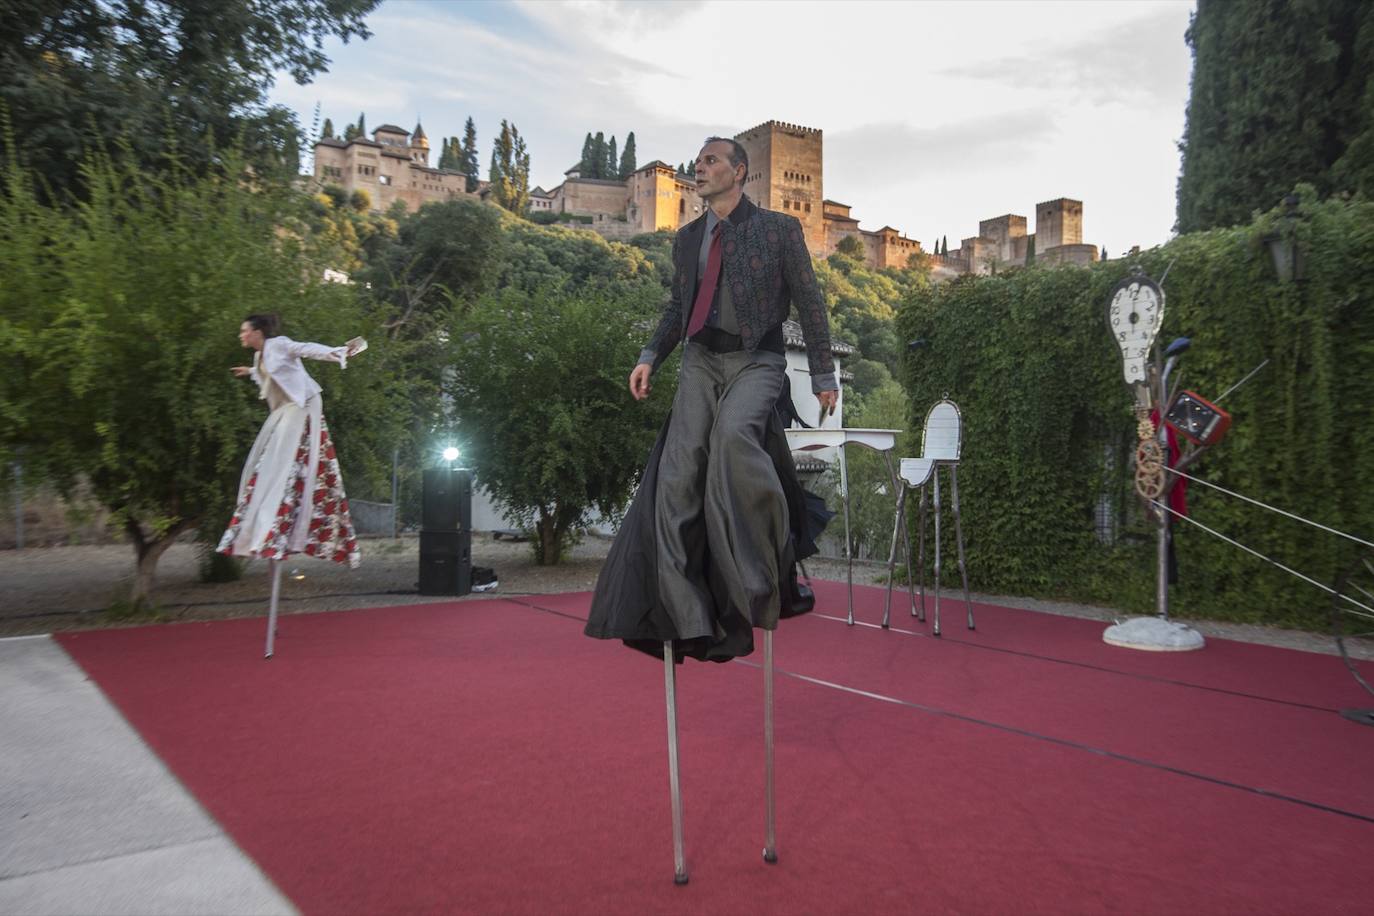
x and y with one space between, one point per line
944 436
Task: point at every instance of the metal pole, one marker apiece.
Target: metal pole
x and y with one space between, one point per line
892 560
395 492
921 560
848 555
959 537
935 472
18 506
272 614
674 786
770 845
1162 547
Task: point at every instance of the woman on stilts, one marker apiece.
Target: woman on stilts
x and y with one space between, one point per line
291 496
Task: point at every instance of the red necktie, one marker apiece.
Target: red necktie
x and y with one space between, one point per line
707 290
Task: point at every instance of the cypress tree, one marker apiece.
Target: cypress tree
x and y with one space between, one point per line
612 159
1282 92
467 161
362 125
597 163
327 132
584 165
1103 256
946 243
627 158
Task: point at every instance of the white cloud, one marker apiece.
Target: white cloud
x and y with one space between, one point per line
935 114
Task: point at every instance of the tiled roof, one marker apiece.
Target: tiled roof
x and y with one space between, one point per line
807 464
792 337
393 129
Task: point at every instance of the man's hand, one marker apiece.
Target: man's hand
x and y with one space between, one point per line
242 371
639 381
828 400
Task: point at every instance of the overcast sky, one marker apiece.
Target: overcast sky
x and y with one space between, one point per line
936 114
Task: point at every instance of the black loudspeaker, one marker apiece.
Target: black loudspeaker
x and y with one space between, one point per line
446 501
445 562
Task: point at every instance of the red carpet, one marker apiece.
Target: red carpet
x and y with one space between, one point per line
485 757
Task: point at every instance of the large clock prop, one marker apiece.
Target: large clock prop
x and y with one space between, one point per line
1135 312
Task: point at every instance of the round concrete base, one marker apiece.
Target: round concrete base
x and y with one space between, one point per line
1153 635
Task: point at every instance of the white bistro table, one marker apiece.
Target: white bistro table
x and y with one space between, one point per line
880 440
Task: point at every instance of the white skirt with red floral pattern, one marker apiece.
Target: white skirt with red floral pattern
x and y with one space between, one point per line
287 503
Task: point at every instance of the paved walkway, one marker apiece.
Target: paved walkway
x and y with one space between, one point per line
90 819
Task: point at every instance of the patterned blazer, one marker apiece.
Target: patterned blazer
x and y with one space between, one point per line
765 261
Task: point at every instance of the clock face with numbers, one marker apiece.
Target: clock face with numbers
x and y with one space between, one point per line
1134 314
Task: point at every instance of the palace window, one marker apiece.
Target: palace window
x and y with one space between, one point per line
384 179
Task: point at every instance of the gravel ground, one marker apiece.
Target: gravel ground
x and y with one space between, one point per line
48 589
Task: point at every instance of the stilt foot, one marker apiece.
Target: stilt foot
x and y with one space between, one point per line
680 879
770 856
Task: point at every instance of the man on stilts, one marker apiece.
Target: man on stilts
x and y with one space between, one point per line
708 547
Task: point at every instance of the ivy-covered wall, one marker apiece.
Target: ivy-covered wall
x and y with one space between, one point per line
1048 426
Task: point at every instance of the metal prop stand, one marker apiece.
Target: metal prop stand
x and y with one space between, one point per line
272 614
674 785
898 526
770 843
849 560
959 539
921 558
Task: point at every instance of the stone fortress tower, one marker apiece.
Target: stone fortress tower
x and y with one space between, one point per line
785 173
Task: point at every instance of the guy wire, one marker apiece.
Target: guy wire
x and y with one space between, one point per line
1256 502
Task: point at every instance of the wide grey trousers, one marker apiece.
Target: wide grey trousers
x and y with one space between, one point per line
720 514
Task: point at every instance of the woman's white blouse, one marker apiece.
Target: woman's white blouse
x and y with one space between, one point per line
280 361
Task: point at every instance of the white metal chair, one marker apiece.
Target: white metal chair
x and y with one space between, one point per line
941 444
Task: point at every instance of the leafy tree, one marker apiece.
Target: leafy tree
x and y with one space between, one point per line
627 158
291 155
870 489
538 257
863 303
547 423
120 324
327 132
612 160
350 131
510 170
1282 92
444 256
851 246
168 75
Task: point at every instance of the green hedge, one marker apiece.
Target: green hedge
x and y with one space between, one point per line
1048 427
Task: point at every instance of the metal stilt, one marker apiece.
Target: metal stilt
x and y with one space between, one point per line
675 787
848 556
959 538
936 474
921 560
892 560
272 613
770 843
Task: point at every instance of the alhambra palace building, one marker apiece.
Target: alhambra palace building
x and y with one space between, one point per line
786 174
